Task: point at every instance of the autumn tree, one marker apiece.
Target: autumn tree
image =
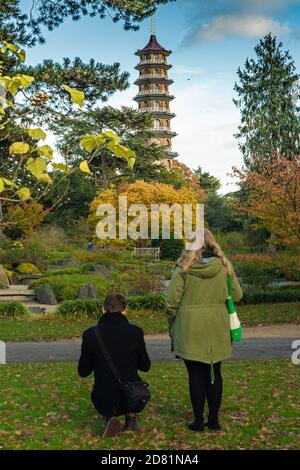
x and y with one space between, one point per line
148 194
273 198
181 176
267 100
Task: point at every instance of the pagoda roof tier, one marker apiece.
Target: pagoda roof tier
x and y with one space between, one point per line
154 96
163 133
170 154
159 114
163 80
148 64
153 46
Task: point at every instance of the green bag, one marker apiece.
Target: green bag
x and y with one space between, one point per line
235 324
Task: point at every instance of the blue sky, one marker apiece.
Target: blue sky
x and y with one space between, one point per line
209 40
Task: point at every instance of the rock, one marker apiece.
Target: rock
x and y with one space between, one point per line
103 271
4 281
27 279
71 261
88 291
45 295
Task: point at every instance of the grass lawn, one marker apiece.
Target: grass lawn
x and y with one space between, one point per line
46 406
49 328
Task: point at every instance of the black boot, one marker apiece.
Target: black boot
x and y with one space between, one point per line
112 427
213 423
131 424
197 426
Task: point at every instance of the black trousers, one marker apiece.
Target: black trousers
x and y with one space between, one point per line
201 388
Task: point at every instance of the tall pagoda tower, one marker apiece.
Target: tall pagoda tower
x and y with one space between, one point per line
154 95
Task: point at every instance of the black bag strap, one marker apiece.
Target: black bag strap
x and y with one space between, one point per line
107 356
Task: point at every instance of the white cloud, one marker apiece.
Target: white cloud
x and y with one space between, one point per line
250 26
206 120
187 69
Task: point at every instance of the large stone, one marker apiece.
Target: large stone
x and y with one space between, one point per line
45 295
103 271
4 281
71 261
88 291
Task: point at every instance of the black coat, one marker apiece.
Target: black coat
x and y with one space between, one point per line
125 343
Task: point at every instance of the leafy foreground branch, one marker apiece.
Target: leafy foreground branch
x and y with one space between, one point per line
31 161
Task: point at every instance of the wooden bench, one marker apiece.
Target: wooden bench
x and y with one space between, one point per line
151 252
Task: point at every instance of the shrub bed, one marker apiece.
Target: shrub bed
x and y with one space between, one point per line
59 283
12 310
267 267
84 309
154 302
80 309
272 296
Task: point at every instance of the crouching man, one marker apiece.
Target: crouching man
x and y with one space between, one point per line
113 347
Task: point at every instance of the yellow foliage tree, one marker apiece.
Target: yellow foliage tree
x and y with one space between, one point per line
148 194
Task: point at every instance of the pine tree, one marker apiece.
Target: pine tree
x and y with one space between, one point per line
266 99
22 22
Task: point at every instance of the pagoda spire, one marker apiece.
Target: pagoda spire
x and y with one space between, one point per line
153 25
154 95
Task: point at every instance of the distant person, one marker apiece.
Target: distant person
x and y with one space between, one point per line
90 246
199 324
126 346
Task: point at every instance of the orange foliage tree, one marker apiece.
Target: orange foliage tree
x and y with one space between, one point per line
273 197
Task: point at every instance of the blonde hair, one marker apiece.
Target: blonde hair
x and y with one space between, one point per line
190 257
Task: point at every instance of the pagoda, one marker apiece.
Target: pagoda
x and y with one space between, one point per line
154 95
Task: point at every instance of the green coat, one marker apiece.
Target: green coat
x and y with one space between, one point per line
197 311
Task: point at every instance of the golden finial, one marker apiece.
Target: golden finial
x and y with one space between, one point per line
153 25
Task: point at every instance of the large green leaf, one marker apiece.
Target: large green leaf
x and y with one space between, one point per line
84 167
90 142
37 133
61 166
77 96
36 166
45 178
123 152
111 136
5 182
9 103
9 183
24 193
20 53
45 150
19 148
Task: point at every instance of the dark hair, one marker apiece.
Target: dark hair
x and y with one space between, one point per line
114 302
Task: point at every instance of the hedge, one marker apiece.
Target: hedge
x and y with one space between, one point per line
154 302
271 296
12 310
80 309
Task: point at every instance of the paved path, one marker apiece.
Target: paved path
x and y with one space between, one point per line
290 330
159 350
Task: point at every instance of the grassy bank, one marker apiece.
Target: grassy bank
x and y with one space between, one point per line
50 328
46 406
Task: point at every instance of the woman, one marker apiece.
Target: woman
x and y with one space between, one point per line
199 324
